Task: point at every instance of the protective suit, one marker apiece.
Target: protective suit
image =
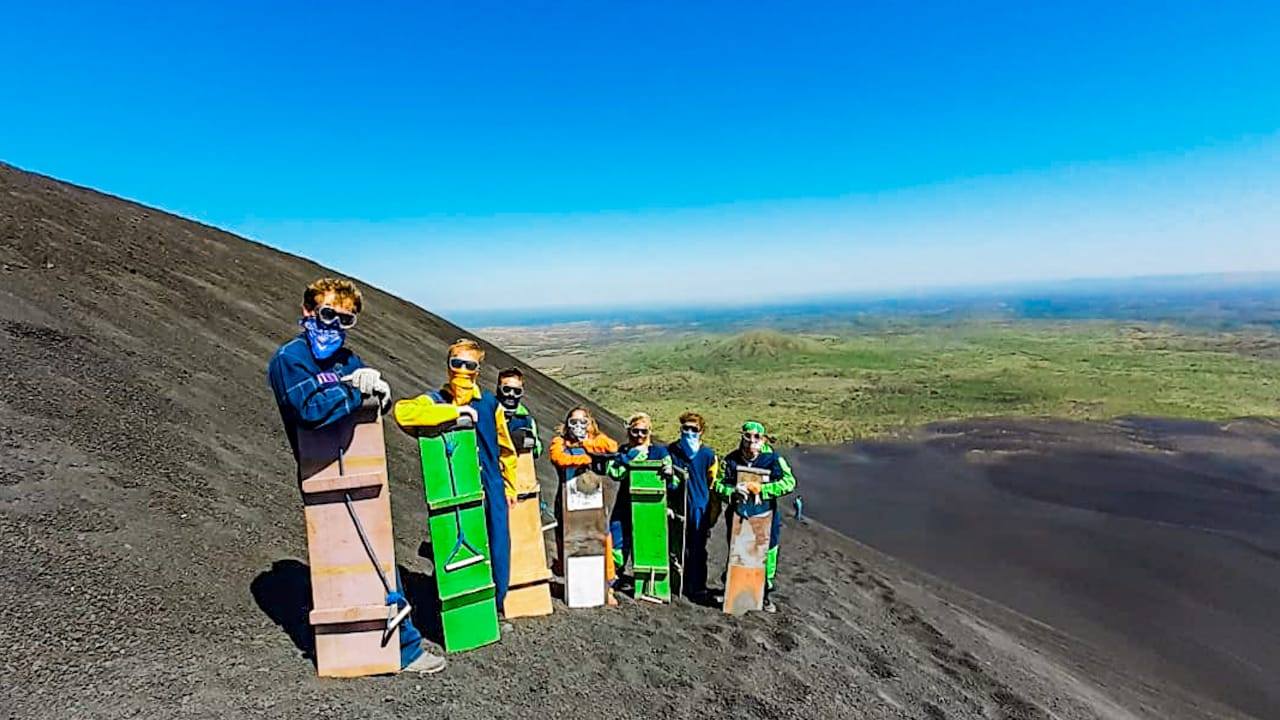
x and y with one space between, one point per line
620 516
310 394
497 456
781 482
701 507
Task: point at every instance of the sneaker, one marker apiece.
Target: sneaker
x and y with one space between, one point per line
426 664
505 627
769 607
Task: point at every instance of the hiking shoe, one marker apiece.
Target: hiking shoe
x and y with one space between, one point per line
426 664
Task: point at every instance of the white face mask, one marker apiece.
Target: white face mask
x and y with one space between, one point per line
577 430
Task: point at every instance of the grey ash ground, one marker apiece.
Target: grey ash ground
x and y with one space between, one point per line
153 546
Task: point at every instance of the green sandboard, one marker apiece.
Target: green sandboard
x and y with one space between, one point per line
650 558
459 538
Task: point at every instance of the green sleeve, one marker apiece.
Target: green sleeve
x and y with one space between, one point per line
537 440
615 469
722 485
781 483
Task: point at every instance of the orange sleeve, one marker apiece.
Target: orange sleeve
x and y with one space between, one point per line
560 457
601 444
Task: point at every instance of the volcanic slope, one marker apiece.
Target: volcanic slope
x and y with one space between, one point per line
153 557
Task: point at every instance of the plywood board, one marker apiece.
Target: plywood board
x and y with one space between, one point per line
748 547
349 459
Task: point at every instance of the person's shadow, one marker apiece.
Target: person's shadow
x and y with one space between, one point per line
284 594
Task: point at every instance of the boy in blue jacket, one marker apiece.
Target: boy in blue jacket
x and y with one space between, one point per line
697 467
318 381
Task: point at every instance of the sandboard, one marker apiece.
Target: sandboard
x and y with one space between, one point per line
748 546
584 547
349 611
529 594
459 535
650 558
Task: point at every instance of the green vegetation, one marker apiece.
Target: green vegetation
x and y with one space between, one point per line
834 387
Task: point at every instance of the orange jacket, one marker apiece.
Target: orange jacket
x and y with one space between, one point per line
566 456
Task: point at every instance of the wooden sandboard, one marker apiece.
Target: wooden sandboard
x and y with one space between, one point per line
584 531
529 593
748 546
349 612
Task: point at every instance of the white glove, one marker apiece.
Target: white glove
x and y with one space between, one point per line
364 380
469 412
382 391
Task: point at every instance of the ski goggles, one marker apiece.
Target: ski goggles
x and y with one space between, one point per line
330 315
462 364
510 391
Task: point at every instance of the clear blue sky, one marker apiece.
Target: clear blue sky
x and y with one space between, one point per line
670 152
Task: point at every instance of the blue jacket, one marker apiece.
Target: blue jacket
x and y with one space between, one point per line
702 468
309 392
781 482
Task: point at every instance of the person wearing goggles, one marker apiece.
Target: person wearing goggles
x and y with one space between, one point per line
461 395
637 447
520 422
756 498
577 443
318 381
697 467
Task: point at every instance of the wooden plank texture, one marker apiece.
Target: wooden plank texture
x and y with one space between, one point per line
748 546
343 577
530 590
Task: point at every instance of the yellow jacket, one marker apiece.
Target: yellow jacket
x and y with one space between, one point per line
436 408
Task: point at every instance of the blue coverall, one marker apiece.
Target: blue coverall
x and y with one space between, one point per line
310 394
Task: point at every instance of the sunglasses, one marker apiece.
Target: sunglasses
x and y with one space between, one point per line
690 428
639 432
329 316
576 422
510 391
461 364
752 436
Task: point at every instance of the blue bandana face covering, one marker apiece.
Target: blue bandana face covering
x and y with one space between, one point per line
324 340
692 441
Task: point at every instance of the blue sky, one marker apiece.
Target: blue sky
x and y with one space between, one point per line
473 156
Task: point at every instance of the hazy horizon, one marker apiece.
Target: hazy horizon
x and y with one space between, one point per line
1142 292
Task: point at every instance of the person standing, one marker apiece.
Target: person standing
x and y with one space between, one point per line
520 423
697 469
318 381
578 442
639 447
459 396
756 498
